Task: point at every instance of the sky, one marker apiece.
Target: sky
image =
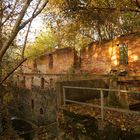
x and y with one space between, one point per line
36 27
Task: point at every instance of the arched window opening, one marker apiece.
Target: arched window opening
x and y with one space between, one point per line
50 61
17 77
51 81
32 104
123 50
41 111
42 82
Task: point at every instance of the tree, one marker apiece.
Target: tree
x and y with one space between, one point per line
14 16
95 20
16 11
44 42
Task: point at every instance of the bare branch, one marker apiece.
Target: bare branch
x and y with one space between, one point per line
9 15
34 15
18 26
15 29
26 37
1 15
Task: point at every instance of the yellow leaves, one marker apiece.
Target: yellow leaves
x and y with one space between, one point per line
119 119
123 127
56 3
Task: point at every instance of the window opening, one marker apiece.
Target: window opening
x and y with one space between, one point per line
123 50
50 61
42 82
32 104
41 111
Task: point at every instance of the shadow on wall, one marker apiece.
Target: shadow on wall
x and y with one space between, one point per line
80 94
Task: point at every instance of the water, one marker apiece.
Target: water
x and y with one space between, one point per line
23 128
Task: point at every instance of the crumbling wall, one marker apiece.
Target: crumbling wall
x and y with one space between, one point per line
101 58
36 105
63 60
98 58
59 61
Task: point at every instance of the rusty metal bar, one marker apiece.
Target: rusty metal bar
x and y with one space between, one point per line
102 104
121 110
102 107
105 107
101 89
82 103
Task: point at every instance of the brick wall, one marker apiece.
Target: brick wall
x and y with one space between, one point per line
97 58
63 60
100 58
133 42
59 61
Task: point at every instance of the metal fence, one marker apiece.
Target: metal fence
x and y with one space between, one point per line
101 106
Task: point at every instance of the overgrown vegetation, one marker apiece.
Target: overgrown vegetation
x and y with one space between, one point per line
77 23
67 23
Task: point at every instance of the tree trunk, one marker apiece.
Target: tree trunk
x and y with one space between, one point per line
1 15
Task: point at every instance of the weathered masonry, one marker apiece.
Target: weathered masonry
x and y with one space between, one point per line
99 61
100 58
111 65
119 56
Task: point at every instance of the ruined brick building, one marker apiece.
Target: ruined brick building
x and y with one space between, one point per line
96 58
119 57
